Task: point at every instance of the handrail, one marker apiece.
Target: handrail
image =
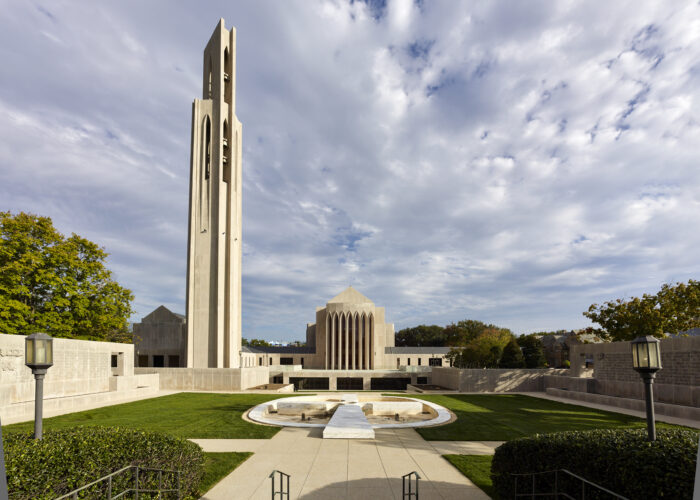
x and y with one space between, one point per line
282 493
136 489
556 484
407 479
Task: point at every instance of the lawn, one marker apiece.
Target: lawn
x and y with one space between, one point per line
219 465
502 417
475 467
186 414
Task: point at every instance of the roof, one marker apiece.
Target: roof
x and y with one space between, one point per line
161 314
416 350
279 349
350 296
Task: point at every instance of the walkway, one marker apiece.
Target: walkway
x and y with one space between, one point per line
346 468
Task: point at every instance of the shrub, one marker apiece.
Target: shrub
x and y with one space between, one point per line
68 459
622 461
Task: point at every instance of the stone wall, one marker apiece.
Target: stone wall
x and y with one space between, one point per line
209 379
81 377
493 380
678 382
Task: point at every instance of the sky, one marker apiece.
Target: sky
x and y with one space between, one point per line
510 162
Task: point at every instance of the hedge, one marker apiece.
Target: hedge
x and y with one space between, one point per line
68 459
622 461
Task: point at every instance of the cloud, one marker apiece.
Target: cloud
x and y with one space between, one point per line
509 163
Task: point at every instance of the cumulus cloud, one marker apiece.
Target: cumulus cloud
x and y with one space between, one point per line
512 163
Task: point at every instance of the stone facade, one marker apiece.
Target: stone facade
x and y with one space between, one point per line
160 339
214 255
350 333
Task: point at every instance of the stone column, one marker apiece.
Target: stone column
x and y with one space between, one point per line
353 348
346 342
332 341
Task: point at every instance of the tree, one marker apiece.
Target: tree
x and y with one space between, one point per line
482 351
255 343
57 285
421 336
533 351
674 309
512 356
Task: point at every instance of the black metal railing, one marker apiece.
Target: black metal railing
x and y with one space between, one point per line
409 485
558 484
143 481
283 491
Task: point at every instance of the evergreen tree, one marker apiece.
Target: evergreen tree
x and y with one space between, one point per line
533 351
512 356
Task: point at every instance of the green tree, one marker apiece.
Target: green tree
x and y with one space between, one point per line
674 309
512 356
533 351
57 285
421 336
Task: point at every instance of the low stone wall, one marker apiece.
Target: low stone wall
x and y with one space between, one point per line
493 379
82 377
672 410
209 379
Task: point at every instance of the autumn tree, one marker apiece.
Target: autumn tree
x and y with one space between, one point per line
476 344
57 285
674 309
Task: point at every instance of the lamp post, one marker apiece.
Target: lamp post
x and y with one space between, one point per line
646 359
38 355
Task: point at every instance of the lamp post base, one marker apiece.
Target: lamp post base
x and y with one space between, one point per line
38 402
649 396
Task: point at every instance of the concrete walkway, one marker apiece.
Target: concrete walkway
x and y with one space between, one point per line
346 468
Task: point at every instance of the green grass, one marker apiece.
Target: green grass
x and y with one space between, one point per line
219 465
475 467
502 417
187 415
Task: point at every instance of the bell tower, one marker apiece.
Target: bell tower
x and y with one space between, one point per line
214 244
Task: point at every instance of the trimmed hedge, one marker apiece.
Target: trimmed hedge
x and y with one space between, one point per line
622 461
68 459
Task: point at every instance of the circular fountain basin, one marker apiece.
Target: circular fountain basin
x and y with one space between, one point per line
381 412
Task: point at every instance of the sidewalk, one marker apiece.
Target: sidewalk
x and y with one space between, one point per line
345 468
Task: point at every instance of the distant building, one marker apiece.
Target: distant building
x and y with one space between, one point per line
558 345
160 340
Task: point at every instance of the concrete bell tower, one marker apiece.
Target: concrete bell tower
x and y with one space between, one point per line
214 244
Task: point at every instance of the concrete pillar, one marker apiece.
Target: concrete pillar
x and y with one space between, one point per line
332 341
346 341
326 346
353 348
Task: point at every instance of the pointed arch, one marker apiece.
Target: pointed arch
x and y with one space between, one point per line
204 162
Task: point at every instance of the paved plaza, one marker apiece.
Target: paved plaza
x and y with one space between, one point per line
346 468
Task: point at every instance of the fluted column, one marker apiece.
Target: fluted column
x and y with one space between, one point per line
365 334
328 351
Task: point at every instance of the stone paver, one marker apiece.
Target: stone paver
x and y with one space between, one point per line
341 468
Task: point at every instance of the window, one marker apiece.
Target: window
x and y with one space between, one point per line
286 361
435 362
419 361
398 363
114 361
174 360
158 361
302 362
143 360
260 363
408 361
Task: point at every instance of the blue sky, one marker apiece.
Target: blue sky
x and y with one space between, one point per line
512 162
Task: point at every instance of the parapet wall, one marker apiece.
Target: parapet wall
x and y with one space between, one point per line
678 382
82 376
209 379
493 380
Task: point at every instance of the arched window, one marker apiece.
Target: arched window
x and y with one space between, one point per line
227 75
